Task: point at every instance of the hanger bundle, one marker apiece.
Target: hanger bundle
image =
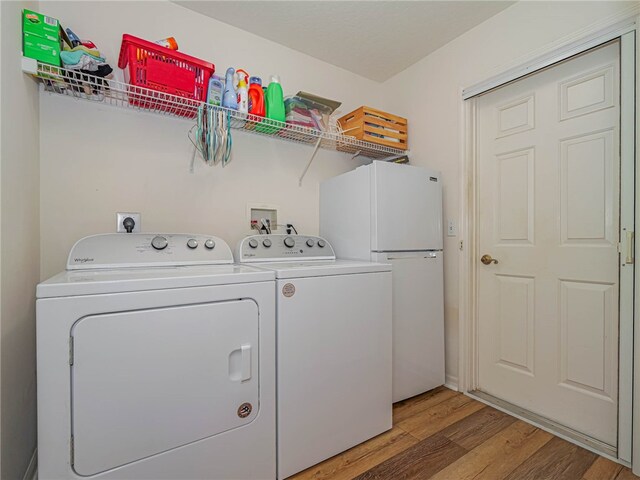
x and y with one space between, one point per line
212 135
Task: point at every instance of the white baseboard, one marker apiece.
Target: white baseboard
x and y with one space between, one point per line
451 381
32 469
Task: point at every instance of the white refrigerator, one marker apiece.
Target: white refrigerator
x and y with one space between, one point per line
390 213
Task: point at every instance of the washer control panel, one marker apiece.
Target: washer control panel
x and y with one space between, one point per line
279 248
121 250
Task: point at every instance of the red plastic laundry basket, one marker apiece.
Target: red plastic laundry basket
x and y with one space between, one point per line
150 66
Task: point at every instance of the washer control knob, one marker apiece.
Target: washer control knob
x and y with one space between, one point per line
209 244
310 242
253 243
159 242
289 242
192 243
266 242
321 243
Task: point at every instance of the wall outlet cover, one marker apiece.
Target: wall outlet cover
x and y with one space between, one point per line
137 218
452 230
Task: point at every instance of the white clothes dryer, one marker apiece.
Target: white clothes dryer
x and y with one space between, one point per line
333 347
156 360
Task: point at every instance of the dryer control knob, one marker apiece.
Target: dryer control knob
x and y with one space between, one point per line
253 243
321 243
192 243
266 242
159 242
310 242
210 244
289 242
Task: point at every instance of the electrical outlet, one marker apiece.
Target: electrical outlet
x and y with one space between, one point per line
121 216
452 230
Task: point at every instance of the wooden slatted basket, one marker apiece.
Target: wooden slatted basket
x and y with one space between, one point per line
376 126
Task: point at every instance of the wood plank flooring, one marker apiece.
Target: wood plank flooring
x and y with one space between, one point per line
444 435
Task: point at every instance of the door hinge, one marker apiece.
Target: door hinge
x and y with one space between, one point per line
72 450
70 350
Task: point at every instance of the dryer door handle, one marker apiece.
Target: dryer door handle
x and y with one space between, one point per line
246 363
240 364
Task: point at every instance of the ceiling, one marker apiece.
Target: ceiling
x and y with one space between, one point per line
375 39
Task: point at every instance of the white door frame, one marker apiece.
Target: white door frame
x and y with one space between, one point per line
624 27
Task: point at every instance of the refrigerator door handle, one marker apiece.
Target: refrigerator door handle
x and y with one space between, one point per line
412 255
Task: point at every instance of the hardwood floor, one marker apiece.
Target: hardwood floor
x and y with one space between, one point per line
444 435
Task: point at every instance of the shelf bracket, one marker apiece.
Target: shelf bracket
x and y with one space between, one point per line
356 155
30 66
394 157
313 155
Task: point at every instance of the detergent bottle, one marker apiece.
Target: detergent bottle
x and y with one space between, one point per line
274 100
229 97
256 97
243 99
274 107
214 92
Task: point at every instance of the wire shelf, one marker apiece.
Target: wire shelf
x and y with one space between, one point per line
87 87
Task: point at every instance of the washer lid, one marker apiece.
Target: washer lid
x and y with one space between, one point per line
92 282
323 268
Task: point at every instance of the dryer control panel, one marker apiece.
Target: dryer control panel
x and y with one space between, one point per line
282 248
121 250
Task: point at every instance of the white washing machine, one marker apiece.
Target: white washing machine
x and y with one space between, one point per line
333 347
156 360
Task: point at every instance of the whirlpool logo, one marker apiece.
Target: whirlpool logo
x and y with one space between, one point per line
83 260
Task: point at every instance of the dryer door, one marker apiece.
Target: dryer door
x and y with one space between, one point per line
148 381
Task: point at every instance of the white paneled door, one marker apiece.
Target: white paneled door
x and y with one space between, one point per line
549 207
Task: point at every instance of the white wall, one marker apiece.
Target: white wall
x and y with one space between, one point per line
0 244
96 160
429 94
19 247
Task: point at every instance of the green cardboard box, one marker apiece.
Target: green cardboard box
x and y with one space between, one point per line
42 37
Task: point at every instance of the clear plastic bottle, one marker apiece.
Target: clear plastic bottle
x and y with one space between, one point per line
229 96
243 97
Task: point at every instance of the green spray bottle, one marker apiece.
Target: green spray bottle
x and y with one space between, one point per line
274 100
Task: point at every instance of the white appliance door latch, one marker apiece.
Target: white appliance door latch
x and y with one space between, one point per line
630 248
240 364
246 362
